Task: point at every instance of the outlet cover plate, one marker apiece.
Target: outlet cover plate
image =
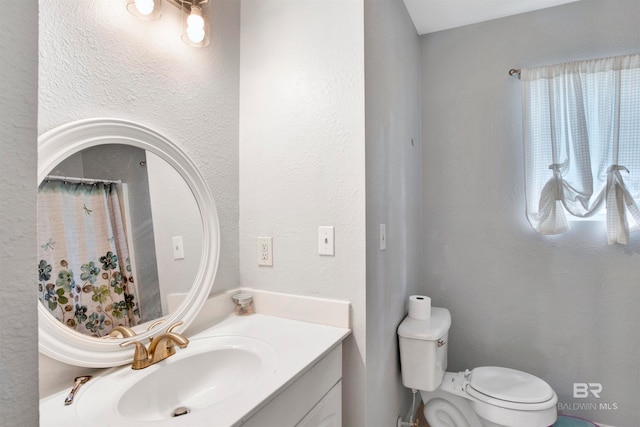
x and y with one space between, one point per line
265 251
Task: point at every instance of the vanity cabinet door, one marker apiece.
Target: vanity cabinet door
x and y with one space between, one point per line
328 412
295 405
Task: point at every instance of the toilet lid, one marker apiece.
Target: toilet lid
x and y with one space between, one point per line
510 385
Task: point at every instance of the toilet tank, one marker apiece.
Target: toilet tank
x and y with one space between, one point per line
423 349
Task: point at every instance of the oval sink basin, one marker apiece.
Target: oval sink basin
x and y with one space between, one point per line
207 372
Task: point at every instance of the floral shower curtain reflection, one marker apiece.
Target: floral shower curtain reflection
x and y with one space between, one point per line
84 273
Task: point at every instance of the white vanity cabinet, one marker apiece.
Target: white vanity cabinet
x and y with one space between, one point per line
313 399
328 412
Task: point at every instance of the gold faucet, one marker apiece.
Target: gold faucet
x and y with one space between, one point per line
161 347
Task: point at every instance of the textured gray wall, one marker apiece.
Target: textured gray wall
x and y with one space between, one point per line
564 308
393 147
18 136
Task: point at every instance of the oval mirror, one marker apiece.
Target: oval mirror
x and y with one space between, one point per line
125 222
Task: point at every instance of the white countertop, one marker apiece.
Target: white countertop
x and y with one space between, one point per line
298 346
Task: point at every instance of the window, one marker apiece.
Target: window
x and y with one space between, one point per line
581 124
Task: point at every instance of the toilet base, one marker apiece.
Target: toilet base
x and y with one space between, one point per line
442 409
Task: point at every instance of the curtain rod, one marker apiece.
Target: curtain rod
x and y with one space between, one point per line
81 180
514 72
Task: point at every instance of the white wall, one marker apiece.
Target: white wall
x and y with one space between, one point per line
18 134
97 60
302 158
393 155
564 308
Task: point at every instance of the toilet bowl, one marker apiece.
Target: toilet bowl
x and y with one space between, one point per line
490 397
483 397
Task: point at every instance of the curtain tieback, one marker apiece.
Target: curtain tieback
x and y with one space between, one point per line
558 190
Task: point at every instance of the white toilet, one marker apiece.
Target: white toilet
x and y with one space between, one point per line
482 397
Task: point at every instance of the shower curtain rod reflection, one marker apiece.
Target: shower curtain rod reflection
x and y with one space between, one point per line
80 180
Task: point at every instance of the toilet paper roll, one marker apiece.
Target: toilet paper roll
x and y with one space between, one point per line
419 307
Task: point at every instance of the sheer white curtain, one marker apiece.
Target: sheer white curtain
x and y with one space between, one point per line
581 123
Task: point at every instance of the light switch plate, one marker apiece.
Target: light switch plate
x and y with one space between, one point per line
326 243
383 237
178 247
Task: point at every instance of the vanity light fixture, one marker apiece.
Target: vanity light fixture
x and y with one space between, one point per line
195 29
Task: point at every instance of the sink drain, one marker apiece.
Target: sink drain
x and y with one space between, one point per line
178 412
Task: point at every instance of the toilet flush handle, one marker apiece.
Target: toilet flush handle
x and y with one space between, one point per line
441 343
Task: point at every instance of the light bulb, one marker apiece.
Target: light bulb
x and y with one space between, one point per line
145 7
195 25
195 34
195 18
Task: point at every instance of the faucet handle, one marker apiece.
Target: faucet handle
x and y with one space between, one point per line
121 332
154 324
169 329
138 344
171 343
175 325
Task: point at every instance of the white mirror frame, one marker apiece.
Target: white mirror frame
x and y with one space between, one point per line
55 339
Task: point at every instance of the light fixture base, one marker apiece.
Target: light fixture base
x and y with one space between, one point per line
186 4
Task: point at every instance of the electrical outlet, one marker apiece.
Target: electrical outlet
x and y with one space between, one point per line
265 251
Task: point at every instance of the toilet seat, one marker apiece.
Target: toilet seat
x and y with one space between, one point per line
509 388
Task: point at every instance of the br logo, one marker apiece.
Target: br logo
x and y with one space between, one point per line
583 390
